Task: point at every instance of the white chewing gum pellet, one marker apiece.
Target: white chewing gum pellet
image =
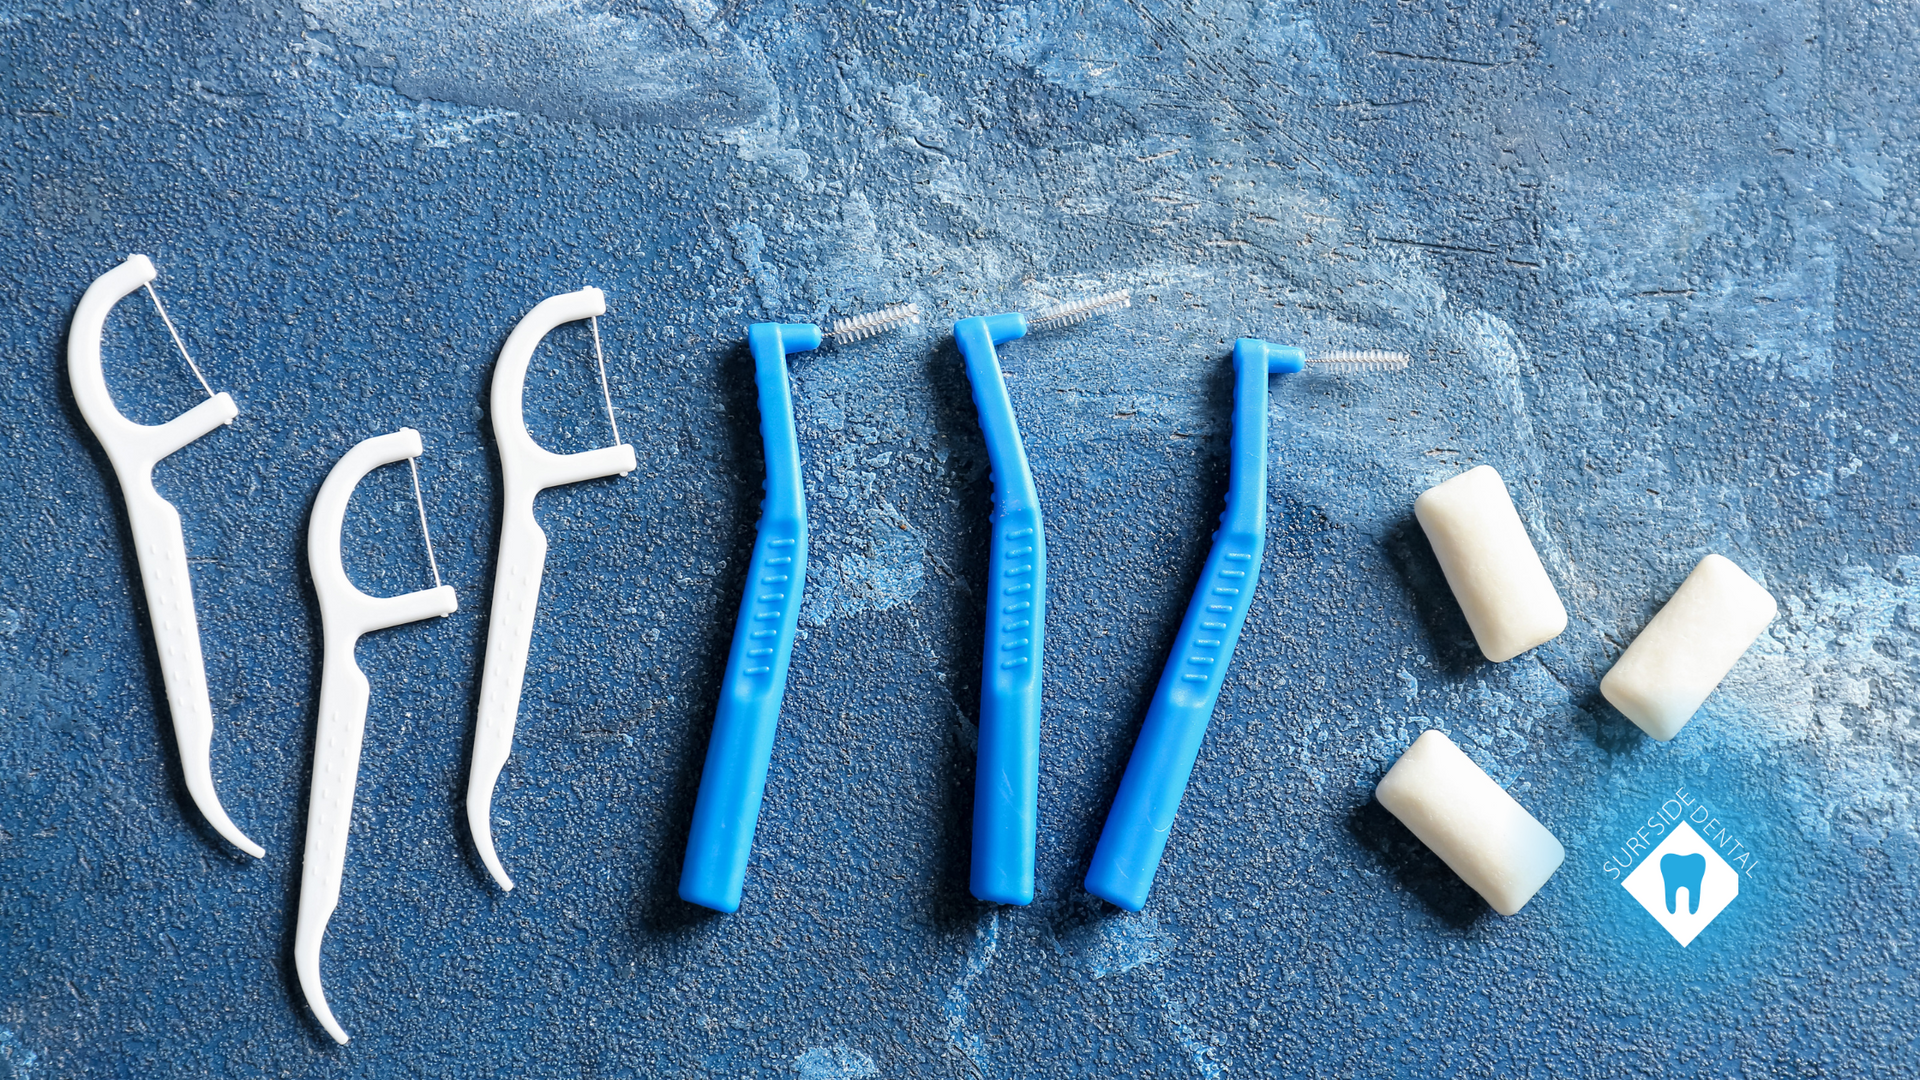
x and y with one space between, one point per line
1490 564
1475 827
1688 647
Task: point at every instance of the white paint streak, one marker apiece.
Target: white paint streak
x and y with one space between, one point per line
885 572
835 1063
1828 674
956 1005
1200 1052
20 1062
1115 945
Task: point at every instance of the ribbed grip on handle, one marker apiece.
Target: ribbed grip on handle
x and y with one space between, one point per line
162 550
741 748
1006 786
1138 825
1006 790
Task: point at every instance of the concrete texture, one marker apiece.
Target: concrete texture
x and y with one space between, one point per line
1654 261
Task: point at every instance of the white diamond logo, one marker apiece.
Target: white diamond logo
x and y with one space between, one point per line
1684 884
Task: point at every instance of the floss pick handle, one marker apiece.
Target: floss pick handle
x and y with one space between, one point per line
526 469
346 614
161 546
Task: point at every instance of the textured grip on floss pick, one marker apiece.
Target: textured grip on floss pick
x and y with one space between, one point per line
159 543
740 750
1007 772
526 469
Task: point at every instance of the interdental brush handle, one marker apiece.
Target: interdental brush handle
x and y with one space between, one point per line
346 614
160 545
526 469
1137 826
741 747
1006 790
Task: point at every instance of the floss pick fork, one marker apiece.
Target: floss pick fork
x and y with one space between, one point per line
526 469
1006 789
346 614
1135 835
734 777
161 546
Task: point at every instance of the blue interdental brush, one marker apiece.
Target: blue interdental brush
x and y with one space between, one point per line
1006 787
1136 831
735 775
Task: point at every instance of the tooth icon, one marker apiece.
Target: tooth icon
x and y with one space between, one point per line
1684 860
1683 872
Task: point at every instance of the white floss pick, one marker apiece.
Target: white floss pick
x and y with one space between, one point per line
346 614
526 469
158 541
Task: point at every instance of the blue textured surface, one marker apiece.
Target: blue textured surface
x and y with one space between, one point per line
1654 261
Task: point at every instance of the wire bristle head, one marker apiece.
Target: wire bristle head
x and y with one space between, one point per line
1074 311
865 326
1354 361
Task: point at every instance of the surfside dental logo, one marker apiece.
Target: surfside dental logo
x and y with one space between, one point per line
1688 878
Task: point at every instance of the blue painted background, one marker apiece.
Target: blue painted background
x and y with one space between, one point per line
1654 261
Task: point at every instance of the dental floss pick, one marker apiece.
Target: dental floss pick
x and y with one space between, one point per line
160 545
1135 835
738 753
346 614
1006 790
526 469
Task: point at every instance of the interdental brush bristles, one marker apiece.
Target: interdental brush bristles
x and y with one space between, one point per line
1351 361
865 326
1069 313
